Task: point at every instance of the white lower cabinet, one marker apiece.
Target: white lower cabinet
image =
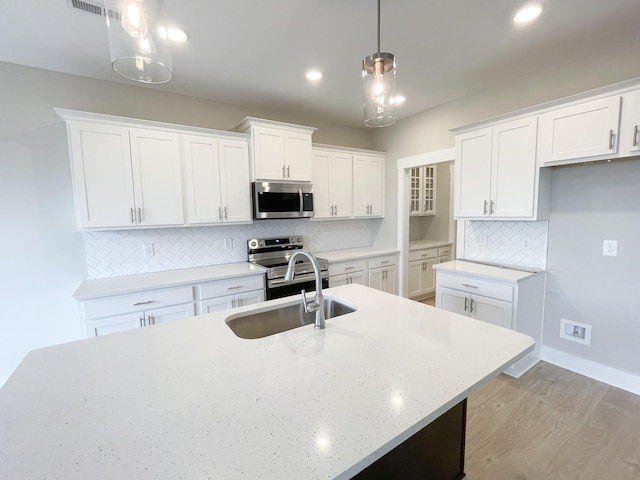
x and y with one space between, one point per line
383 273
511 300
229 293
345 273
124 312
422 276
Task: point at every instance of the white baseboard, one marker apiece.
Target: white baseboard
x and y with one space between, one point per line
597 371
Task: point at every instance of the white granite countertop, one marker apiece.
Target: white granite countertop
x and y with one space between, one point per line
481 270
190 400
424 244
355 253
133 283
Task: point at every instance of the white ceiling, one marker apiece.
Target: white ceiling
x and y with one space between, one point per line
255 52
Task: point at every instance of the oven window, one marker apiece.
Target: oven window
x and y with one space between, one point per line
288 289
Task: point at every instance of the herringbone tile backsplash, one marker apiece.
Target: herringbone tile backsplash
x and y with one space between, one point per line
117 253
510 243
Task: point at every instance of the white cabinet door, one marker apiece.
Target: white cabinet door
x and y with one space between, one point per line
513 169
202 175
169 314
268 153
385 279
249 298
415 278
473 173
341 185
368 186
297 154
116 324
492 311
103 183
630 124
235 180
452 301
216 304
580 131
157 177
321 171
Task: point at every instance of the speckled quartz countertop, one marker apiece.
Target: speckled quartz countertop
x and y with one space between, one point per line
190 400
481 270
423 244
133 283
355 253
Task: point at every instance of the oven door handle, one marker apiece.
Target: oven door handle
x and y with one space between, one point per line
296 279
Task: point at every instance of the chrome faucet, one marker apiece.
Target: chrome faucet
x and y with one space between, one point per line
318 304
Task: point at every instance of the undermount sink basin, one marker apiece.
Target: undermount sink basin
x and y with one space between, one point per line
282 318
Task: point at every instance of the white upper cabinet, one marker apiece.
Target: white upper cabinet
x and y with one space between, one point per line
630 124
125 177
332 184
422 191
217 180
279 151
368 186
157 177
581 131
497 175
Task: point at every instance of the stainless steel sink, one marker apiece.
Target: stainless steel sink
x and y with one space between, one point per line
280 319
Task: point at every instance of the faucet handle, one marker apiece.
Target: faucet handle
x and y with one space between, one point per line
304 300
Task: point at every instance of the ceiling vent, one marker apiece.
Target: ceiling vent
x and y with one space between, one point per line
95 7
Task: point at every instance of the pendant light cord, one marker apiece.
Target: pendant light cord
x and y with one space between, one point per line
378 26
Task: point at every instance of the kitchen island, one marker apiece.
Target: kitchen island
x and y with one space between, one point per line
190 400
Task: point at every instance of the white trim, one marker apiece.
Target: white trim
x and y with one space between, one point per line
597 371
403 166
3 380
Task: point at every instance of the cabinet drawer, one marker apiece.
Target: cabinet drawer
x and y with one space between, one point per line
136 302
347 267
229 286
385 261
423 254
486 288
444 251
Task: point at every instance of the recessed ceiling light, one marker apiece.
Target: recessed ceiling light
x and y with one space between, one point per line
398 99
528 13
314 75
174 34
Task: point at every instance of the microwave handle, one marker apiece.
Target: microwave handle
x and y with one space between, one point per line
301 202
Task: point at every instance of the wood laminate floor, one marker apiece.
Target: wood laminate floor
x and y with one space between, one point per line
552 424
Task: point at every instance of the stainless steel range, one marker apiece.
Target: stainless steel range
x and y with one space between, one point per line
274 254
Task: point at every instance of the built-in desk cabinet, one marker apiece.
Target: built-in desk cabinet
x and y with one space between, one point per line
497 175
517 305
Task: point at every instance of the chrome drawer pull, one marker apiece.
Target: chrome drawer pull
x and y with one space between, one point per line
348 268
635 136
611 135
234 288
470 286
143 303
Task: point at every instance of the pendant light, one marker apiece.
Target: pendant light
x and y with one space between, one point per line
379 78
137 50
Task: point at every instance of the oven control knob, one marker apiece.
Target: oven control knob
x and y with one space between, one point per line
261 243
253 243
299 239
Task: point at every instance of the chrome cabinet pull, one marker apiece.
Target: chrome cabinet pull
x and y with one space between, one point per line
139 215
235 287
225 213
611 135
635 135
471 306
143 303
238 302
283 175
348 268
152 319
336 209
133 218
219 213
491 208
141 322
384 261
466 303
331 209
484 210
470 286
288 172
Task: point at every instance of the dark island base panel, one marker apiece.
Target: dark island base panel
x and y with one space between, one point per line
434 453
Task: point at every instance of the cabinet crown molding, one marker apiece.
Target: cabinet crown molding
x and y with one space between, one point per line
249 122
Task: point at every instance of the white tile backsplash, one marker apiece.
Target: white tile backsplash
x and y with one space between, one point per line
506 242
117 253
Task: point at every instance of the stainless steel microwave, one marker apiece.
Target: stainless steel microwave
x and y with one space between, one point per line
282 200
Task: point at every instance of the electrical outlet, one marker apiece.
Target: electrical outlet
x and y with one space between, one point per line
610 248
575 331
525 242
148 250
228 243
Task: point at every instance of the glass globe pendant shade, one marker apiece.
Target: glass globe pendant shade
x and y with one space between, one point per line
137 50
379 81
